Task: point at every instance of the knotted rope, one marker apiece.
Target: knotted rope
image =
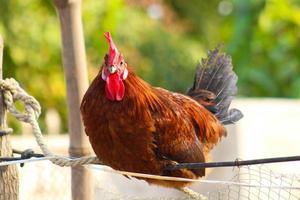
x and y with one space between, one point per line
12 92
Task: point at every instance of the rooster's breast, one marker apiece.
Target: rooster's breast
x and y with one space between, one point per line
122 139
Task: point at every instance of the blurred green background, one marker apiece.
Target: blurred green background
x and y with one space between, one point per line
162 40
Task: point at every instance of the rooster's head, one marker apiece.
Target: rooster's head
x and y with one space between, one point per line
114 72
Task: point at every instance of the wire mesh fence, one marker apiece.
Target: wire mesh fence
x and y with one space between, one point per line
45 181
259 182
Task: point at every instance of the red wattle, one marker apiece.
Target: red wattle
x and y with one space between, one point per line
114 88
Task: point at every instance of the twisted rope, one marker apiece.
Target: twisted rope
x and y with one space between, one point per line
12 92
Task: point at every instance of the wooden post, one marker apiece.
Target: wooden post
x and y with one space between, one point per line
75 69
9 179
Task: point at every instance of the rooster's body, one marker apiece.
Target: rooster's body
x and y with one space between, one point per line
135 127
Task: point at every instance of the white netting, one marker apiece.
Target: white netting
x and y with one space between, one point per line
259 182
250 182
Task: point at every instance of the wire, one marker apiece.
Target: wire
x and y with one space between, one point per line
29 153
5 131
105 168
25 156
235 163
13 162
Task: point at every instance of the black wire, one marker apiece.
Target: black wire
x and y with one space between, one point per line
29 153
236 163
5 131
24 155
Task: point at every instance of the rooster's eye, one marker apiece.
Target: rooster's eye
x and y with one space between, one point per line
121 63
112 69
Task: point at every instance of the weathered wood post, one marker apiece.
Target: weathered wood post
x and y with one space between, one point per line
75 70
9 179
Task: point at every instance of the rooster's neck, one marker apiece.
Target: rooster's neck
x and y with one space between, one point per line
139 93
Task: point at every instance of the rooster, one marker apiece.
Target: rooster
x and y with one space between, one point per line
133 126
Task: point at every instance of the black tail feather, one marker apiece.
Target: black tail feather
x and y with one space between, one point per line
233 116
215 74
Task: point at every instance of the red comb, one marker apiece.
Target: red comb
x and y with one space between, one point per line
113 51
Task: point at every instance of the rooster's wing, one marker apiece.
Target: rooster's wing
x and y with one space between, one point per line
184 129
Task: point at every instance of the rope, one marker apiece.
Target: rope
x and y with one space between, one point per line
12 92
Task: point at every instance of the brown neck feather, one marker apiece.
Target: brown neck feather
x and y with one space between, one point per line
141 92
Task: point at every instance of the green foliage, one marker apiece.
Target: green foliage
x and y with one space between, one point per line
262 37
32 51
266 54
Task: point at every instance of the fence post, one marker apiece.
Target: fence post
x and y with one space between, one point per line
74 59
9 179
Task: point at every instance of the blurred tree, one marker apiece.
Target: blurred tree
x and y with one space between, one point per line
162 40
32 51
265 48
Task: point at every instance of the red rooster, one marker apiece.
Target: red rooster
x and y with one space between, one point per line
135 127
